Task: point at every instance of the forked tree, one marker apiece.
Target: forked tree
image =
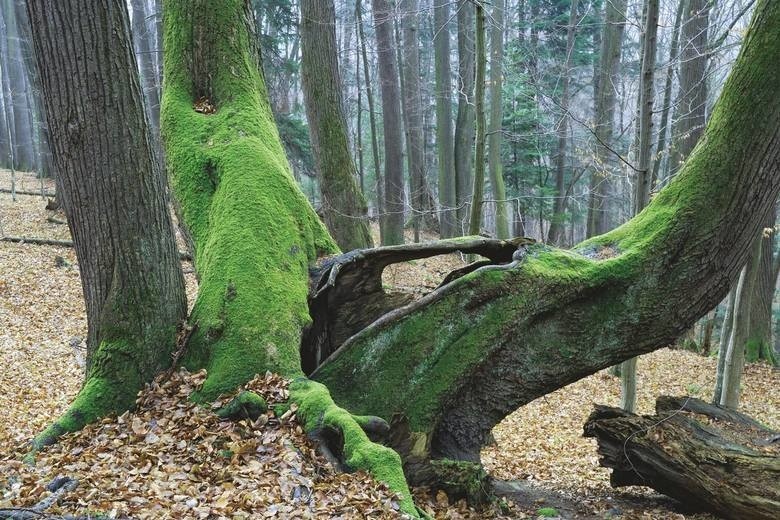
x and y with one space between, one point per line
443 370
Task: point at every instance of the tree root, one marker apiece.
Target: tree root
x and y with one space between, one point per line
345 433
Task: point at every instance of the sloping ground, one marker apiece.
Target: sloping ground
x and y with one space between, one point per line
138 465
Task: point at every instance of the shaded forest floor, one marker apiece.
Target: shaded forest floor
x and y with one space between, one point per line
173 460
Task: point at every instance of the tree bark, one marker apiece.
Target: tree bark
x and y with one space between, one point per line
391 123
144 44
703 455
444 138
495 168
759 341
475 220
343 204
114 197
556 233
603 302
464 124
18 88
601 216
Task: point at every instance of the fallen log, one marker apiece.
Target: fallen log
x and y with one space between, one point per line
704 455
183 255
36 193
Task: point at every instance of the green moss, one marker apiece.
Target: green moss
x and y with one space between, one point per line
246 405
548 512
255 233
317 411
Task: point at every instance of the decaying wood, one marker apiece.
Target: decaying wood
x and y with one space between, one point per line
346 294
701 454
28 192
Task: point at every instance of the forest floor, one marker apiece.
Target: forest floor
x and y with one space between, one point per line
170 459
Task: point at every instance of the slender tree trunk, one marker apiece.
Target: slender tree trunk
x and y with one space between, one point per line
759 341
496 113
343 203
556 234
391 123
723 344
667 103
475 220
692 101
143 38
17 78
601 217
444 138
380 192
133 285
464 124
735 357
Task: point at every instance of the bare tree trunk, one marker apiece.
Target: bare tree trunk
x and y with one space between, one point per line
735 356
343 204
380 192
391 123
759 342
18 86
723 344
475 220
496 113
601 217
464 124
133 285
144 50
556 233
444 137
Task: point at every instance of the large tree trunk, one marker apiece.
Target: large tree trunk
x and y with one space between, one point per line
255 233
444 137
601 216
391 123
464 124
114 196
343 204
703 455
505 335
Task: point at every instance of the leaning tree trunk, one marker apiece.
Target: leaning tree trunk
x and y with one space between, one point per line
254 232
343 204
132 282
705 456
505 335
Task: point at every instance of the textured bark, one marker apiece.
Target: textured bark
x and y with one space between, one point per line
343 204
692 101
495 168
601 217
391 123
114 198
444 138
505 335
464 124
703 455
144 43
475 220
556 233
759 341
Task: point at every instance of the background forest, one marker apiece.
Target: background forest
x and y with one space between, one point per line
406 121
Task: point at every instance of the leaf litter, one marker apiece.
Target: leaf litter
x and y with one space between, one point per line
173 459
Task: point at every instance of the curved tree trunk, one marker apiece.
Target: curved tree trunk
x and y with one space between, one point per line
114 196
505 335
343 204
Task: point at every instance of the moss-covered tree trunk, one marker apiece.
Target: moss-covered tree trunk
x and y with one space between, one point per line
114 196
343 204
254 232
479 347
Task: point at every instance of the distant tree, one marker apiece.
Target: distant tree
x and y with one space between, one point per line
343 204
495 125
475 219
464 123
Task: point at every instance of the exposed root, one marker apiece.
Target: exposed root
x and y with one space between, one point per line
323 418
